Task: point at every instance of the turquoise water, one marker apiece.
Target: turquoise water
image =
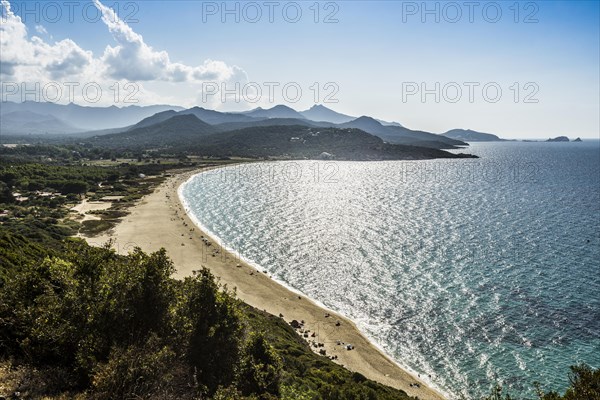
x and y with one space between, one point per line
469 271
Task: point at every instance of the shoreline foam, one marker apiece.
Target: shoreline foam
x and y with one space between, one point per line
166 208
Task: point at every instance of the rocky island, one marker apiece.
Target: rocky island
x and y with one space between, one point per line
559 139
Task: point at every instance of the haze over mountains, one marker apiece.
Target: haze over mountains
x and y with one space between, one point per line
133 122
285 116
277 132
319 112
75 118
26 122
186 134
279 111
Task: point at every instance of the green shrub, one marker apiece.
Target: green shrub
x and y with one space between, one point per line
137 371
260 368
214 330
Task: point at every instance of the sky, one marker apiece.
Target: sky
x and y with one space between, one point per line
526 69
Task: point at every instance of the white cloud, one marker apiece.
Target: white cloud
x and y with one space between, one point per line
133 59
41 30
33 59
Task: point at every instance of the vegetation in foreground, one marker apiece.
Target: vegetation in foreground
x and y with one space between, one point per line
584 385
83 322
80 321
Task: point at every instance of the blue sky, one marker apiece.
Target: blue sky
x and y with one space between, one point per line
377 57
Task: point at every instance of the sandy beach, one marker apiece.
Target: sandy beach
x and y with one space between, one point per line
159 220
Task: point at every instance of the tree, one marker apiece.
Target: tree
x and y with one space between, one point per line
77 187
5 194
584 385
261 367
215 334
8 177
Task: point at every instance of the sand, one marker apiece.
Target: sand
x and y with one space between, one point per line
159 220
85 206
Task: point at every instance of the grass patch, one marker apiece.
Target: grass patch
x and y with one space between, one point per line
96 227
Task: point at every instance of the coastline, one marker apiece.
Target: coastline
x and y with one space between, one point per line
160 220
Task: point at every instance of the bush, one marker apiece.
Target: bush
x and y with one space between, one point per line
261 367
137 371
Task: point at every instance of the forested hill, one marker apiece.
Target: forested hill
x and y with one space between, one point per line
189 135
176 132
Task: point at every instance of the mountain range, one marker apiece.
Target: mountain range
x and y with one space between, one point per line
27 122
318 113
393 133
279 132
162 126
136 122
185 133
73 117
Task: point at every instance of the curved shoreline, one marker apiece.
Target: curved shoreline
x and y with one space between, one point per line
215 238
223 245
160 220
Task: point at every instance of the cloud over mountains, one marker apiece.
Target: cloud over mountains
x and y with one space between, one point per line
32 59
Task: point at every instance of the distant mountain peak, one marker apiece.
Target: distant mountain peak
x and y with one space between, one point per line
278 111
319 112
281 107
366 118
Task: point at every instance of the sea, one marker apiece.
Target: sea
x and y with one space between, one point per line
468 272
